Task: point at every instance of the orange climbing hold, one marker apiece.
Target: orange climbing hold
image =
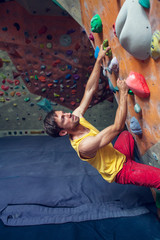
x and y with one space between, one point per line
137 83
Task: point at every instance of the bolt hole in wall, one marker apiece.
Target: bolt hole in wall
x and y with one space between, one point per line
45 66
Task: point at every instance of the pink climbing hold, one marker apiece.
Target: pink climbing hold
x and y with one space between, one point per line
137 83
1 93
91 37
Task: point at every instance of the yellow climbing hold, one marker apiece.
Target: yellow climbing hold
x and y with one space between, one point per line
155 45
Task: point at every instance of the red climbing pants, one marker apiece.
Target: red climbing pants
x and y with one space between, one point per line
133 172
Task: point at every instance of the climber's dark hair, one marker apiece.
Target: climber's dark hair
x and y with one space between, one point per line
50 125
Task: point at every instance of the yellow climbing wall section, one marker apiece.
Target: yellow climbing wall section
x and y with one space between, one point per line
149 118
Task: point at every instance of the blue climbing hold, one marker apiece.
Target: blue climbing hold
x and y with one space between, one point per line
135 126
96 52
45 105
68 76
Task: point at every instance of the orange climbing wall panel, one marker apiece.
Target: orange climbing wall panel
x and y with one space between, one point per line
149 118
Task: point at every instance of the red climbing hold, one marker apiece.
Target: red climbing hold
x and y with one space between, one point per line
4 88
10 81
56 62
42 30
137 83
16 82
42 79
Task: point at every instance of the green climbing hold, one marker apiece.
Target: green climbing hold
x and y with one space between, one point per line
27 99
144 3
105 45
130 92
96 24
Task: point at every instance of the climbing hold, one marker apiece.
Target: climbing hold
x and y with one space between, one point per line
133 29
12 93
42 30
38 98
49 45
18 94
105 45
42 78
27 99
56 62
73 103
130 92
17 26
10 81
4 88
68 76
155 45
76 76
49 37
70 31
55 81
155 156
91 37
1 93
96 24
43 67
144 3
62 99
69 52
16 82
7 119
48 74
113 66
75 70
96 52
137 83
2 99
15 74
65 40
50 85
56 95
137 108
73 91
69 67
114 30
43 89
91 54
4 29
45 104
135 126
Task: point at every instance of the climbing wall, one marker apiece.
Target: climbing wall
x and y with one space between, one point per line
149 116
44 61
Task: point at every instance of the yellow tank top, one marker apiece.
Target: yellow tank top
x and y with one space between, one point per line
108 161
